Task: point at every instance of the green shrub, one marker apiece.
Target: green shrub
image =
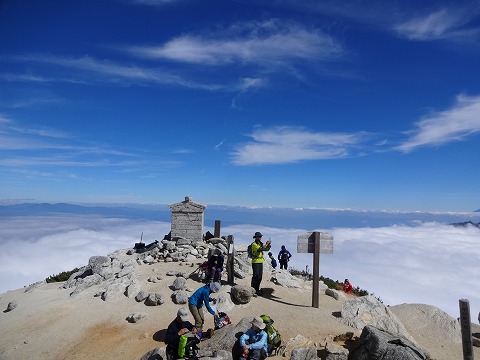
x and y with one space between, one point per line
332 284
63 276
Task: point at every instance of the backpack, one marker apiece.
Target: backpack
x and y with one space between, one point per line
284 256
274 339
187 346
221 320
249 251
274 263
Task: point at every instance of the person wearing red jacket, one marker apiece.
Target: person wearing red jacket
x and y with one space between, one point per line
347 287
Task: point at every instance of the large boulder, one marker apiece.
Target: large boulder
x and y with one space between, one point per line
179 283
285 279
412 315
180 297
226 338
367 310
375 344
242 293
224 303
154 299
100 265
306 353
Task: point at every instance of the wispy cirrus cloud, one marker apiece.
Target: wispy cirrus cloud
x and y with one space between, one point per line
91 70
444 24
454 124
269 43
286 144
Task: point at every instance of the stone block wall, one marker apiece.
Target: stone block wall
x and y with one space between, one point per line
187 219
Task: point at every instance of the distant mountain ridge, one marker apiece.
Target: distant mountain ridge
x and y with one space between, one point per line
234 215
466 223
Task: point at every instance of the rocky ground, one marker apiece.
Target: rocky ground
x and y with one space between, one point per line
49 324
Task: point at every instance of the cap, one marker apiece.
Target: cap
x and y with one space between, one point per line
258 234
214 286
182 313
258 322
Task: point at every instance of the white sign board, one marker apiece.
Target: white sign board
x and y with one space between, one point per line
306 243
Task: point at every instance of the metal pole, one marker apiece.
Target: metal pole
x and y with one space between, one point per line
466 329
316 269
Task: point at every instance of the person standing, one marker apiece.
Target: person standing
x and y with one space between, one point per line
257 249
200 297
284 257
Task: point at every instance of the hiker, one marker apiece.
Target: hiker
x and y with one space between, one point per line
257 249
215 266
284 257
273 262
347 287
253 343
179 326
196 301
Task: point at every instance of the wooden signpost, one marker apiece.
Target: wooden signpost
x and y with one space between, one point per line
465 325
315 242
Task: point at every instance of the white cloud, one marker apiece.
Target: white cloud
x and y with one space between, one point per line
444 24
428 263
33 248
283 145
454 124
268 43
113 72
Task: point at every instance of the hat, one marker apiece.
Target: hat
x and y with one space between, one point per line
258 234
258 322
215 286
182 313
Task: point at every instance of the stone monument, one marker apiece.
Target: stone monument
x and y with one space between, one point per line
187 220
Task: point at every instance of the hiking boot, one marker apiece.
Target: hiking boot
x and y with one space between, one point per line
209 334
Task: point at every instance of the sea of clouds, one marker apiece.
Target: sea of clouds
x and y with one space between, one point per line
423 262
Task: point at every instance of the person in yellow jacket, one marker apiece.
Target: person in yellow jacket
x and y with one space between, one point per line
257 260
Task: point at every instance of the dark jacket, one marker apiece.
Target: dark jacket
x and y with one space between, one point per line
171 337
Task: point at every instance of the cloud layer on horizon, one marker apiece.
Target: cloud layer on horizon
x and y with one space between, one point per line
428 263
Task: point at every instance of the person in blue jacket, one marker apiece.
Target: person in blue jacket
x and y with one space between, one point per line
284 257
253 343
198 299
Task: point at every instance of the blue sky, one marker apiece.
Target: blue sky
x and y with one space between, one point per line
363 105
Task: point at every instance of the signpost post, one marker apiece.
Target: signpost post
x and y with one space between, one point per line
315 242
230 247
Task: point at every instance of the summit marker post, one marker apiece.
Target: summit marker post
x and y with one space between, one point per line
315 242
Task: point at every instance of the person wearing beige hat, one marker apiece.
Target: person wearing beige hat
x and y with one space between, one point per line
253 343
179 326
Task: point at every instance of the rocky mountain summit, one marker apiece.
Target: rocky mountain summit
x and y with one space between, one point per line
118 306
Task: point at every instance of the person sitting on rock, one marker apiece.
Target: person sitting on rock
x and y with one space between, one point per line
253 343
179 326
215 266
347 287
